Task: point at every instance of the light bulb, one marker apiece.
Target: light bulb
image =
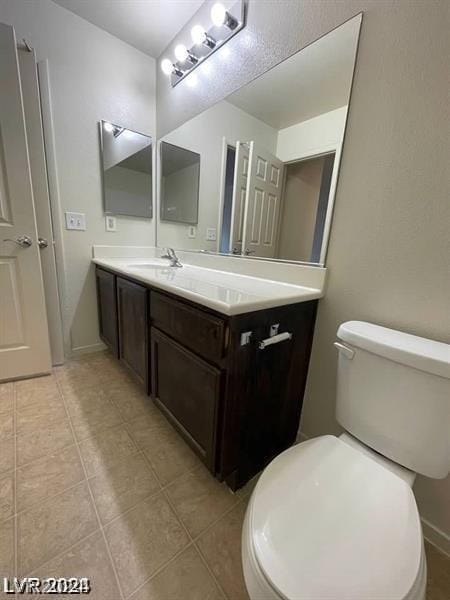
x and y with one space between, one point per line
108 127
166 66
181 53
218 14
198 34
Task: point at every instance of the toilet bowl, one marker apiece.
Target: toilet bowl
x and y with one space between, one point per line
327 522
335 518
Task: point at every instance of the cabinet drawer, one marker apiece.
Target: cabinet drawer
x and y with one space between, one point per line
188 390
197 330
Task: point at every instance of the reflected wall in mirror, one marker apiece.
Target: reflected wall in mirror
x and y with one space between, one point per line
270 156
180 171
127 171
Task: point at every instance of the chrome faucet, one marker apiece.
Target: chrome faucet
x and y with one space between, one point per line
170 254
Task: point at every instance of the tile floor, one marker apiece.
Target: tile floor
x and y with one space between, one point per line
95 483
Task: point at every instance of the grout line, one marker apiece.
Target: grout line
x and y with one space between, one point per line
60 554
169 501
108 550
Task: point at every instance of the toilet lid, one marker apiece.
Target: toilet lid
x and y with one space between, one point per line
328 522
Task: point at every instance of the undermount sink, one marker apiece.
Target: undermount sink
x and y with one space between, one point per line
155 263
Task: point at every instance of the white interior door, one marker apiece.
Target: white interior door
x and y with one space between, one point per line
24 343
239 195
263 202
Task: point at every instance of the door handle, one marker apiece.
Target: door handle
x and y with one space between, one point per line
42 243
23 241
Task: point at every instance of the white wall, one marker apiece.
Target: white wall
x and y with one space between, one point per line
179 190
388 252
204 135
93 76
316 135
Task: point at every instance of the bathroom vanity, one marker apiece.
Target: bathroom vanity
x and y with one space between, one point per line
201 343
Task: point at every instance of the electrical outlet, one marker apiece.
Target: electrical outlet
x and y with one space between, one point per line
211 234
192 232
110 223
76 221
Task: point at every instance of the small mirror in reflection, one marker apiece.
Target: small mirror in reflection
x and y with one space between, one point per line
180 173
127 171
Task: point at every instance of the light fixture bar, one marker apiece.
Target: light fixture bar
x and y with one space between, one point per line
224 24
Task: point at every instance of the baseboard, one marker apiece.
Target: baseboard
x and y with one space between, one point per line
430 532
436 537
80 350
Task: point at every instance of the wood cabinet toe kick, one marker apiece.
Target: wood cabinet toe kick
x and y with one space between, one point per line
236 402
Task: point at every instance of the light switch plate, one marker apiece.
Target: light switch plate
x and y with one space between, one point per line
110 223
75 220
211 234
192 232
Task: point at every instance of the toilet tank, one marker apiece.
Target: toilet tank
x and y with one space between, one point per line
393 394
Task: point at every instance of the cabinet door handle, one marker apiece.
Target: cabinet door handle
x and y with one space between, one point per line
275 339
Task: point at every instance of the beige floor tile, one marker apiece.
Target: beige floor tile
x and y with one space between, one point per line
438 565
6 496
199 499
52 436
38 415
34 402
6 398
88 559
7 548
91 411
221 548
130 400
184 578
144 539
140 428
30 391
6 455
76 375
6 426
47 477
105 449
45 531
122 486
169 455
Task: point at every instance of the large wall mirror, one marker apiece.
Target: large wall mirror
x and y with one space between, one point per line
269 158
127 171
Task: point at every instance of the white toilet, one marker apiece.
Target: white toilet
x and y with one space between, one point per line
334 518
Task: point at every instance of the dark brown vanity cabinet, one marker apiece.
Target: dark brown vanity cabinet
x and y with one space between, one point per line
236 403
188 390
107 309
132 317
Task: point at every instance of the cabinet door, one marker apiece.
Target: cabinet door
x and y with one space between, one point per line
132 310
188 391
107 309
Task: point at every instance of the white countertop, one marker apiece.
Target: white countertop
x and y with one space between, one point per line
222 291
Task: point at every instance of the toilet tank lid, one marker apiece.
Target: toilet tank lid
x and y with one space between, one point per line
410 350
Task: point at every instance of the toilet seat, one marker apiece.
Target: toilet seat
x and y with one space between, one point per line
327 522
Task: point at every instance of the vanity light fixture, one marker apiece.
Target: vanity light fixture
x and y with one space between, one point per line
168 68
114 129
225 24
199 37
182 54
220 16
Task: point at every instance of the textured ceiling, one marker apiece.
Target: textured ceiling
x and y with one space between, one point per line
148 25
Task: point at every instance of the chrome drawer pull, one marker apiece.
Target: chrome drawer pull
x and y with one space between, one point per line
275 339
